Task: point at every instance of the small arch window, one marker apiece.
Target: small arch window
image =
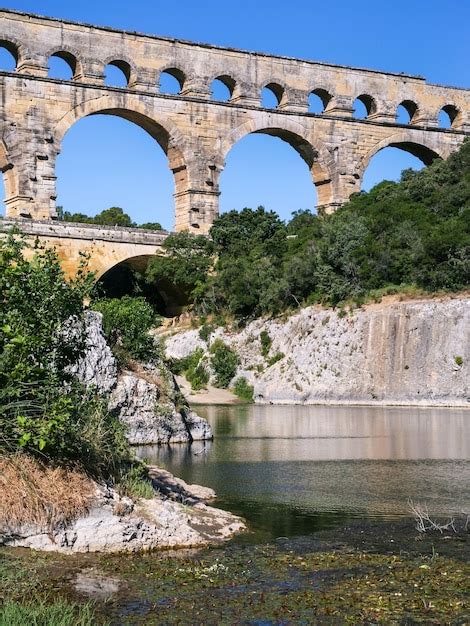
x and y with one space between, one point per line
62 65
117 74
364 106
8 56
222 88
171 81
447 116
271 96
318 100
406 111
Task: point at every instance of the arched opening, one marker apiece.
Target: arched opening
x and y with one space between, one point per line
389 162
406 112
108 160
127 279
117 74
262 169
364 106
62 65
222 88
171 81
318 100
8 56
447 116
271 96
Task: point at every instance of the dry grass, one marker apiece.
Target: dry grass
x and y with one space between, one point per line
34 493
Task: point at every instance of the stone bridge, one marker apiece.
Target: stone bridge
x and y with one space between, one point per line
195 131
107 246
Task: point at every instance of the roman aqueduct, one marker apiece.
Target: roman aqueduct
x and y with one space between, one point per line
195 131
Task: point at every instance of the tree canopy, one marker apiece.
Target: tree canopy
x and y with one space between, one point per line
114 216
415 232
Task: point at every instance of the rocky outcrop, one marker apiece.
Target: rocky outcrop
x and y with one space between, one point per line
97 367
151 416
178 516
147 399
414 352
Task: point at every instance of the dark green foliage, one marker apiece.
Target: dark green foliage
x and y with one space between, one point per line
195 370
150 226
412 233
126 322
243 390
266 342
205 331
135 481
186 264
43 409
114 216
224 362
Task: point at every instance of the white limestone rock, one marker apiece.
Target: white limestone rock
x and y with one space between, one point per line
176 517
389 353
97 367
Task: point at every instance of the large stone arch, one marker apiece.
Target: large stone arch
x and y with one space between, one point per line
425 148
117 279
165 133
319 160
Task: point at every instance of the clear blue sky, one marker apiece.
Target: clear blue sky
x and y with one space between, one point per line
107 161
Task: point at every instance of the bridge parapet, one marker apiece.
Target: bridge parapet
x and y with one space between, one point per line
84 232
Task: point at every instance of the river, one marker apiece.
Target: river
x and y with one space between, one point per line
291 470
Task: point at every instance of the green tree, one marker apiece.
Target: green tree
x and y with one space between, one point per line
113 216
126 322
185 265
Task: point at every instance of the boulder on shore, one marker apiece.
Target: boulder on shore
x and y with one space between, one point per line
146 399
177 517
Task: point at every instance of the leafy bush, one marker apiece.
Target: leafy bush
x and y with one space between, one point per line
185 266
458 360
415 232
126 322
243 389
205 331
193 368
266 342
43 409
196 372
224 362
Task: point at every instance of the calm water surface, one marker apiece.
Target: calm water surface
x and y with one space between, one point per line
290 470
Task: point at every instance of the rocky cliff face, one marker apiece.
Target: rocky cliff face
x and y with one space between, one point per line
147 399
401 353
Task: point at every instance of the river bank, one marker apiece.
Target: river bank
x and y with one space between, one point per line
411 353
379 573
97 517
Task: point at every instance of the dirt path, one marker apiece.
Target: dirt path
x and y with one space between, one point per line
211 395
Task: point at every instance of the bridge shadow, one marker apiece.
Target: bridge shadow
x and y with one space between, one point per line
128 279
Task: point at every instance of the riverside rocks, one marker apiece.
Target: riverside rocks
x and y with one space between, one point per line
147 399
415 352
178 516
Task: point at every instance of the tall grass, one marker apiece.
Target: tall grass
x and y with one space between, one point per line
43 613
